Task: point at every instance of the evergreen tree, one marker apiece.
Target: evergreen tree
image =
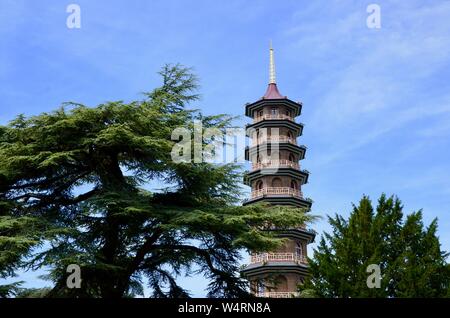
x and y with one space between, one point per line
409 255
17 235
33 292
78 174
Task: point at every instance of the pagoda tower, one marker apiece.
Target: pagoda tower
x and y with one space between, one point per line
276 178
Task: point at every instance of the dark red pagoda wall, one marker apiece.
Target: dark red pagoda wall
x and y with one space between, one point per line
281 154
268 181
263 132
286 282
290 247
268 110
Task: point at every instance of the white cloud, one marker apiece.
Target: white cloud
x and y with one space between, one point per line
378 86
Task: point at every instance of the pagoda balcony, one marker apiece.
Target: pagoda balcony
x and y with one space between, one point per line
273 117
269 139
277 257
276 191
278 294
280 163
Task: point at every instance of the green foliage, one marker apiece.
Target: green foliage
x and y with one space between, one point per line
33 292
78 178
409 255
10 290
17 235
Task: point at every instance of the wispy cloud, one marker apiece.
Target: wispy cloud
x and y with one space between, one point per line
379 86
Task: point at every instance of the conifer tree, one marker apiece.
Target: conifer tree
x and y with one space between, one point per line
410 258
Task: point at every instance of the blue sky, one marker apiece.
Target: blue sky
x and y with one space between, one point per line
376 101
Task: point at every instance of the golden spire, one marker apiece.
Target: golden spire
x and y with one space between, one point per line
271 66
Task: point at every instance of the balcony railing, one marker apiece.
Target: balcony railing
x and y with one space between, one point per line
276 164
269 139
274 191
278 294
277 257
272 116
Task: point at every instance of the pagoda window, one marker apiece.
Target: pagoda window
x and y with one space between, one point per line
260 287
281 284
276 182
289 134
259 185
291 157
299 249
294 185
274 111
260 113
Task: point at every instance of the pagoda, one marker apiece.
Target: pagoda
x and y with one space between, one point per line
277 179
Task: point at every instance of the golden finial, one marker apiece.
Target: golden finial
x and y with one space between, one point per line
271 66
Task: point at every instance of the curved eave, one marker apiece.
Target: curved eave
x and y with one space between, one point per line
299 150
275 268
296 233
301 175
281 200
295 107
297 128
300 234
